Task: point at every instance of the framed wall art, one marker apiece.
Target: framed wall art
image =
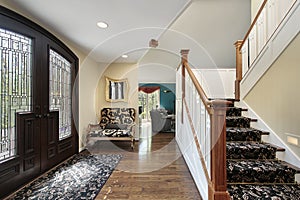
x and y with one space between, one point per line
116 90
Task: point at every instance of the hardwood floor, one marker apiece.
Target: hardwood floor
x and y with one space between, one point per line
155 169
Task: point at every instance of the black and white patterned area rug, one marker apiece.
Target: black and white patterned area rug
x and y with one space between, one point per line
81 177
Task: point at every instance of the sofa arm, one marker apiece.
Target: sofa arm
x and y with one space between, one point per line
93 127
131 128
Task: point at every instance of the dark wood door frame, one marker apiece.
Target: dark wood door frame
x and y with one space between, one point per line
38 146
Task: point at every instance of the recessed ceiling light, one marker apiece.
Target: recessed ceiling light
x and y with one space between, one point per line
124 56
102 24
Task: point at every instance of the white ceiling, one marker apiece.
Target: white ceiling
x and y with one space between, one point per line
132 23
209 28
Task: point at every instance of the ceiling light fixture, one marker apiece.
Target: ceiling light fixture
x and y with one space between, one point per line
102 25
124 56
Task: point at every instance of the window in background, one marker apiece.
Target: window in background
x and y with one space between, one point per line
149 98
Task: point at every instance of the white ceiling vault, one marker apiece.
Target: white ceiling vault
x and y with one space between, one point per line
207 27
132 23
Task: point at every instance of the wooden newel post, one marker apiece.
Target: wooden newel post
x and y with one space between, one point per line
184 59
239 77
218 191
184 55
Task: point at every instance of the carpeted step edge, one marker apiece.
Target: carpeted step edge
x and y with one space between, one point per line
244 150
264 191
259 171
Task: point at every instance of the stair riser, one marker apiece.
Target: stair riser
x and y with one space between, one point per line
238 172
266 192
234 112
237 153
238 122
243 136
252 176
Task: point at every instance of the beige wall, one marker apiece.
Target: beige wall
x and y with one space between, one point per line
276 96
255 5
89 73
118 71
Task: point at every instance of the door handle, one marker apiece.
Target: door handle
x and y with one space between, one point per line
47 115
38 116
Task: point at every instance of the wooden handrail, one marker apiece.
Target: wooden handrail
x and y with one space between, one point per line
217 185
254 22
208 103
199 89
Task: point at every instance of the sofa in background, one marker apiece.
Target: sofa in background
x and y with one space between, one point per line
160 120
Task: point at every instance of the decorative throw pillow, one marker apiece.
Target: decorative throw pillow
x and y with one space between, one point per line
123 126
112 126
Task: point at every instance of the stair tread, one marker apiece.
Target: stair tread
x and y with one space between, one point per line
241 117
265 163
277 147
248 191
255 144
245 109
233 111
260 171
265 133
292 166
243 134
237 117
226 99
250 150
238 121
242 129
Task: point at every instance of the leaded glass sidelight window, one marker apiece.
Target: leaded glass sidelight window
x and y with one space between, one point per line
15 86
60 92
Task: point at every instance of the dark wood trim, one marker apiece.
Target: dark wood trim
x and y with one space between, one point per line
19 18
27 165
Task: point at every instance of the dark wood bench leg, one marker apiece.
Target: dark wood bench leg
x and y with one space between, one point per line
132 143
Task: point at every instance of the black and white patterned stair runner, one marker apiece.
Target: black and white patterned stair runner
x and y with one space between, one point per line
253 172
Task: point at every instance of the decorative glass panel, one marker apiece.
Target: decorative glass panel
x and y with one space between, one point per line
60 92
15 86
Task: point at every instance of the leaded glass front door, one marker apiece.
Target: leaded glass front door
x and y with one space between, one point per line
57 109
37 75
15 87
60 88
20 117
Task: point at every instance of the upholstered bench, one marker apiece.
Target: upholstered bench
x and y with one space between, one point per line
116 124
